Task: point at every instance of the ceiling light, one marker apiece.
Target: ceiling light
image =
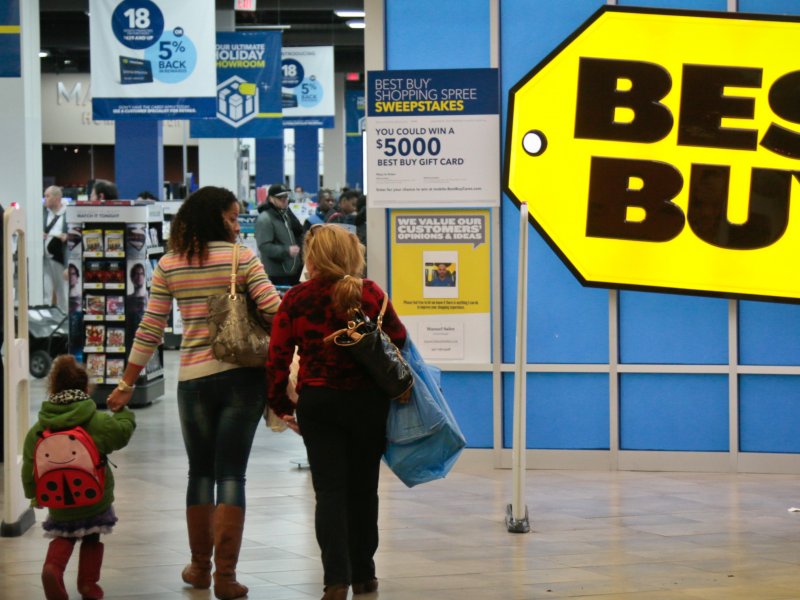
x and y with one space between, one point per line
356 24
43 54
256 27
348 14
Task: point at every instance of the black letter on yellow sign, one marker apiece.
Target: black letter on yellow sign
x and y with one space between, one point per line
610 196
784 100
599 95
704 105
767 215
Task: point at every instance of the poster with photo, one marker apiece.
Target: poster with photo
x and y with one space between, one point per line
75 283
439 274
441 282
75 240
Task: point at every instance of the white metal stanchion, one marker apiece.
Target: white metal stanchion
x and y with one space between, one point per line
517 511
17 514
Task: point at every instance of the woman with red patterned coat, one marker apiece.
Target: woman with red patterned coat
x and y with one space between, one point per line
341 414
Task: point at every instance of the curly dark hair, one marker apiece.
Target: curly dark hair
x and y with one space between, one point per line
200 221
67 374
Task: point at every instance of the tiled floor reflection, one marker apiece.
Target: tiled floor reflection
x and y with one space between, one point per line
610 535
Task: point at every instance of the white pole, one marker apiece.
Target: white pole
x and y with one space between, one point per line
517 511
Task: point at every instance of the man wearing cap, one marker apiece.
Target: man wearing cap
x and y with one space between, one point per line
279 235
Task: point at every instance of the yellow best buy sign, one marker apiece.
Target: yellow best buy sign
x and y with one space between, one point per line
661 149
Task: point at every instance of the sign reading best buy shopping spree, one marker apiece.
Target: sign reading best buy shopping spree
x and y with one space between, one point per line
661 149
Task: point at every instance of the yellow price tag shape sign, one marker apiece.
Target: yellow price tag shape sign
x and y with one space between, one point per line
660 150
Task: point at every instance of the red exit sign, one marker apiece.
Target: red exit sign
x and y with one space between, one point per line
245 4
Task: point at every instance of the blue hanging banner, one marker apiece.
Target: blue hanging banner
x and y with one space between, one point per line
152 59
11 65
248 87
354 151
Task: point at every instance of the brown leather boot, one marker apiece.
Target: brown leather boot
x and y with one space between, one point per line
336 591
228 528
91 560
201 543
58 554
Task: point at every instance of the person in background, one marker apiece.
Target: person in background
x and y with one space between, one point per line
299 194
55 248
324 207
145 195
278 235
103 190
341 414
219 404
68 405
345 213
442 276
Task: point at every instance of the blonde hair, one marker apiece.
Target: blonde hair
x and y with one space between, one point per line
336 254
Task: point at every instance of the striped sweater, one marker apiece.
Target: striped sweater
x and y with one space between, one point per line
191 285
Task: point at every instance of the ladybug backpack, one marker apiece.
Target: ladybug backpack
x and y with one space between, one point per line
68 469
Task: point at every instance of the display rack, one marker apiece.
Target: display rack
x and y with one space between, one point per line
112 251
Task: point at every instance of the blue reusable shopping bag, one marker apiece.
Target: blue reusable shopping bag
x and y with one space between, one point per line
423 438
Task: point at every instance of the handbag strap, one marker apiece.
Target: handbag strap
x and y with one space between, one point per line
234 269
379 320
352 324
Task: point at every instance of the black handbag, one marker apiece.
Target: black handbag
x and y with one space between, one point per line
371 348
55 247
236 332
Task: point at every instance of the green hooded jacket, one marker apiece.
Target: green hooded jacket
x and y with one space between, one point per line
109 431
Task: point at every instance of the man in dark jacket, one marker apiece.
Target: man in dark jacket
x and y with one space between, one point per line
279 235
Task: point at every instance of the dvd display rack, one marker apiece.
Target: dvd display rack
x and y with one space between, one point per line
113 249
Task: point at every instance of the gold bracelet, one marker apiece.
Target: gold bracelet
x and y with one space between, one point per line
124 387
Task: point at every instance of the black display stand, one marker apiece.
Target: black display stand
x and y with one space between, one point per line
113 249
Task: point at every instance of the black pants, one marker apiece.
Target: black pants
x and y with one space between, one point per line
345 436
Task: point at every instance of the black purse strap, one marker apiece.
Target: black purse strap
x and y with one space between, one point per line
52 223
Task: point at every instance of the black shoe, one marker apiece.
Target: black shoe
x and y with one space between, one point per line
366 587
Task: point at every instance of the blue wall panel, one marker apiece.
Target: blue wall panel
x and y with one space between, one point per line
674 412
777 7
567 323
470 398
446 34
769 411
672 329
565 411
769 333
139 158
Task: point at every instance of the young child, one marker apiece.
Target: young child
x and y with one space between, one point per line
68 405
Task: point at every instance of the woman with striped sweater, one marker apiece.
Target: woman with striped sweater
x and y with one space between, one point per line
220 404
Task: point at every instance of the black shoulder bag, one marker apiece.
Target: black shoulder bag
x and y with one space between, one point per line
371 348
55 246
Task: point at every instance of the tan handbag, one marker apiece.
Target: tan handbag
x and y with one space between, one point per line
236 331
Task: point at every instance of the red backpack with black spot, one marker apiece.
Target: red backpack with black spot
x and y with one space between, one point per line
68 469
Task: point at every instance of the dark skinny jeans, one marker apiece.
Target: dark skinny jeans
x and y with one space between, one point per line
219 415
345 437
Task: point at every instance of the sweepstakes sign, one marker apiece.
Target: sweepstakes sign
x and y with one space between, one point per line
152 59
307 87
248 87
431 138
